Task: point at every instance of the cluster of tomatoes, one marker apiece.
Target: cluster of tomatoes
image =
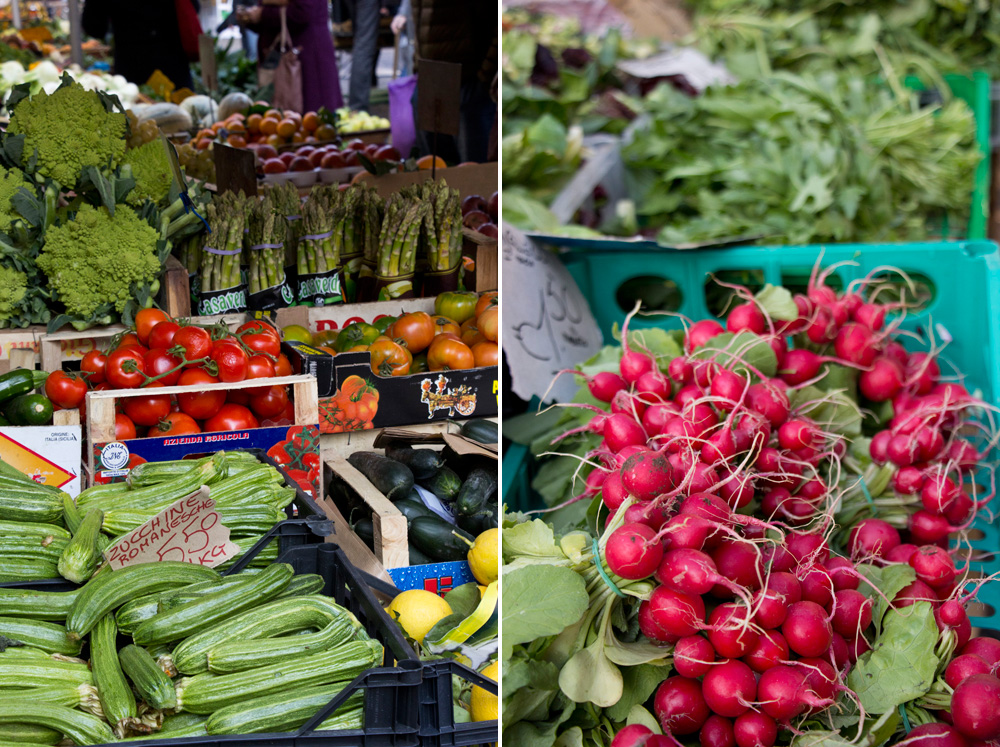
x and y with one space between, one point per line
461 334
162 352
298 456
353 408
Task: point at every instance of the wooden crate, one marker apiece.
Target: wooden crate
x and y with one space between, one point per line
484 251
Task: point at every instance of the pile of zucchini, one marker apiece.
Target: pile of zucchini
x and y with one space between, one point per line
20 404
45 534
172 649
466 485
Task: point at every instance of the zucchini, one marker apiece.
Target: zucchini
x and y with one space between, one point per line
116 696
217 605
392 479
272 619
182 721
411 509
20 381
483 431
439 540
47 636
478 491
302 585
15 568
79 559
27 735
29 409
150 681
284 712
43 673
207 693
345 718
144 608
37 605
31 655
423 463
32 529
81 727
107 591
237 656
445 484
32 548
84 697
30 504
157 497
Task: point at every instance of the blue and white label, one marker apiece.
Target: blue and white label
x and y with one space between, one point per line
114 455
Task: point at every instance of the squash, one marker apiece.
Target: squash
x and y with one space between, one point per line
234 103
170 118
202 110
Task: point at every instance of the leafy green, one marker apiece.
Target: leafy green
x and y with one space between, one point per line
884 583
777 302
538 601
738 351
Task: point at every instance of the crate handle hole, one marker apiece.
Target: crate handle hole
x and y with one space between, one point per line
719 299
656 293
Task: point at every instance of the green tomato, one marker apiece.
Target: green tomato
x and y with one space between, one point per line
458 306
383 324
359 333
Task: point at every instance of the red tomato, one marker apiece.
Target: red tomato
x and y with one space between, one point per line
258 325
162 335
125 369
260 367
159 361
124 427
65 391
231 418
282 367
175 424
231 361
200 405
140 349
197 343
239 396
93 366
129 338
270 403
263 343
148 409
145 320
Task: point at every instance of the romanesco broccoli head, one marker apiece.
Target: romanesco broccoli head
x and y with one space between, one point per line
13 286
11 182
94 258
70 129
151 169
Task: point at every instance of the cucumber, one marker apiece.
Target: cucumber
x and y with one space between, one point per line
423 463
365 529
480 521
483 431
393 480
20 381
439 540
411 509
478 490
417 557
29 409
445 484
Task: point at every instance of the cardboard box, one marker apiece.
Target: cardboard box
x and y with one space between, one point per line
481 179
49 454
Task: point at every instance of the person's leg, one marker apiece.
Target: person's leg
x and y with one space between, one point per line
478 111
364 53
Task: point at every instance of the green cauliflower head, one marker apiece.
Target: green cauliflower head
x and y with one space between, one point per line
71 130
94 259
151 169
13 287
11 182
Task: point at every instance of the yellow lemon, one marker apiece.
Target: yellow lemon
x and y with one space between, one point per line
484 704
484 558
297 332
417 611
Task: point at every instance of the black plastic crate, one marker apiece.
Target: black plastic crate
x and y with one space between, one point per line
392 705
306 524
437 715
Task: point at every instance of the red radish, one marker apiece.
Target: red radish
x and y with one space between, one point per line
958 511
900 553
975 707
938 493
871 315
930 442
707 506
680 370
798 434
634 364
650 627
769 402
646 475
747 316
693 656
688 531
821 678
879 446
935 735
704 372
740 562
680 706
882 381
927 528
719 447
934 567
807 629
730 632
729 688
852 614
652 387
772 602
987 649
651 515
687 571
780 692
621 430
908 480
817 586
951 613
701 332
917 591
841 655
736 490
655 418
897 352
821 329
728 387
633 552
605 385
754 729
628 404
675 613
807 548
962 667
800 365
613 491
633 735
872 537
855 344
771 650
717 732
843 574
923 370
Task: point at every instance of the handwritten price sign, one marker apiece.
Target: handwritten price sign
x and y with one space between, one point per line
547 324
188 530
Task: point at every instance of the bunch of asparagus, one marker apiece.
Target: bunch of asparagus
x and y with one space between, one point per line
288 204
189 253
227 214
400 240
442 226
267 229
318 251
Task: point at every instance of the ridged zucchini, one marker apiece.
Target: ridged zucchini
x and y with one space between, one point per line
345 718
130 614
182 621
178 721
232 489
15 568
29 504
237 656
303 584
81 727
80 557
149 680
43 674
13 655
252 519
47 636
83 697
107 591
272 619
158 497
116 696
32 547
277 713
207 693
26 735
32 529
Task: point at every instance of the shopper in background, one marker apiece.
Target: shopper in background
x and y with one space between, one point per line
146 37
364 51
309 26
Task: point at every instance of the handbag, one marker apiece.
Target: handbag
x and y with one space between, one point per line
189 27
282 67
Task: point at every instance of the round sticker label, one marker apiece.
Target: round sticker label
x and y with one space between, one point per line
114 455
